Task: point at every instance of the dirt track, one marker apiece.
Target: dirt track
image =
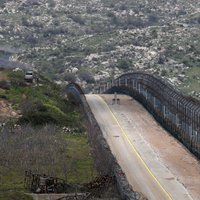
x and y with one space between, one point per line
171 172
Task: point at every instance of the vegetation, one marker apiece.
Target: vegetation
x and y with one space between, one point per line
192 82
47 150
47 137
14 195
124 64
57 37
39 104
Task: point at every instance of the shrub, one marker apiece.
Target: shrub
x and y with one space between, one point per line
124 64
17 78
134 22
153 19
52 3
28 105
70 77
123 7
198 19
86 76
78 19
37 118
4 84
163 72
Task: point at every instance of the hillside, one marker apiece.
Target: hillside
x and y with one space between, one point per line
41 131
88 41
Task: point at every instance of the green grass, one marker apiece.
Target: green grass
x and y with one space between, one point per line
47 102
75 154
80 159
70 153
14 195
10 179
48 97
15 75
11 185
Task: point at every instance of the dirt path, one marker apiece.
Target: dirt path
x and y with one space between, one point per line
171 172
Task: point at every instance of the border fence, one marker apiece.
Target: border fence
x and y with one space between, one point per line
178 113
104 159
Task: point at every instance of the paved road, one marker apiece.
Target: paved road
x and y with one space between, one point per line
143 166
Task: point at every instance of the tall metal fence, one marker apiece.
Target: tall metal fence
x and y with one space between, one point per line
178 113
105 161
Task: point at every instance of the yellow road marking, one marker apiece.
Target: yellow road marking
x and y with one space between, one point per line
136 152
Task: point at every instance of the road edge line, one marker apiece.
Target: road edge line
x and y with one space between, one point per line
135 150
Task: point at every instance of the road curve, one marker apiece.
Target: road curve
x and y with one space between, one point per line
144 170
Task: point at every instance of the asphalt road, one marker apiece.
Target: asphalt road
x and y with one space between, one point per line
145 171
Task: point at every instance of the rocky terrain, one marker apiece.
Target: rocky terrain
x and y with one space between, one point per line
90 41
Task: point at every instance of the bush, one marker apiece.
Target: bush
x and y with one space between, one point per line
54 31
16 75
86 76
78 19
123 7
38 113
37 118
31 39
115 20
198 19
28 105
52 3
134 22
163 72
124 64
70 77
4 84
153 19
17 78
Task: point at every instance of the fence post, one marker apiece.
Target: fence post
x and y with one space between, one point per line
154 102
107 85
146 94
177 120
164 111
139 88
126 82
